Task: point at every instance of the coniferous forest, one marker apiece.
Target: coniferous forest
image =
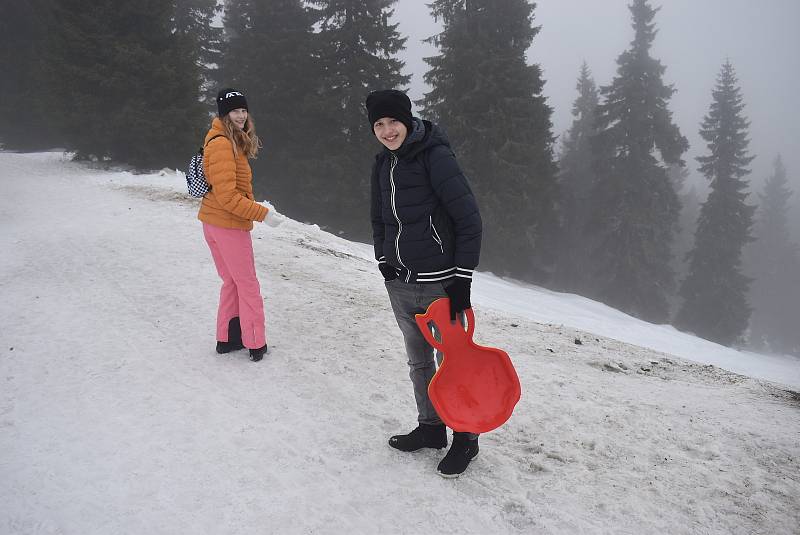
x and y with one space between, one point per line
602 210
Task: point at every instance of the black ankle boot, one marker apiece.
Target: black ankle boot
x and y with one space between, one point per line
424 436
458 457
234 338
258 354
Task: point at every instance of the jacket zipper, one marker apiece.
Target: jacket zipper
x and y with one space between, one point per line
436 237
394 211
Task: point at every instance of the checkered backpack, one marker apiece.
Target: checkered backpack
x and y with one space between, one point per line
195 176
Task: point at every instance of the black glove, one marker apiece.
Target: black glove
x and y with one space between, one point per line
458 292
389 272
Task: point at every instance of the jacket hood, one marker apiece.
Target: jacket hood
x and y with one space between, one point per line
216 129
423 136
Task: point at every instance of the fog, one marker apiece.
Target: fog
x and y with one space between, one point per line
694 39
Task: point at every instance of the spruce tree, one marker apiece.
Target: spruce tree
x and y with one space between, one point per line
272 54
636 206
23 30
775 266
687 222
359 55
576 180
715 291
120 86
490 103
192 22
684 239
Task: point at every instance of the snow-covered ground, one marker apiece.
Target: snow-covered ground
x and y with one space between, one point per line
117 416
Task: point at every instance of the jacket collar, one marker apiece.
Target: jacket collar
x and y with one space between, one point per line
418 133
217 126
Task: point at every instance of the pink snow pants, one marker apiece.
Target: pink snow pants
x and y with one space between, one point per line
240 295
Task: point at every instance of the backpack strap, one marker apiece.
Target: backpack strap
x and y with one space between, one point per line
200 154
213 138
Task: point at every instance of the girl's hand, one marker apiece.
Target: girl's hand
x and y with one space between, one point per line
273 219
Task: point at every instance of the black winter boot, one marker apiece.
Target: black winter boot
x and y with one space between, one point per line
424 436
234 338
461 453
258 354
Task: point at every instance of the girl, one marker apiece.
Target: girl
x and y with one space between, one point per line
227 212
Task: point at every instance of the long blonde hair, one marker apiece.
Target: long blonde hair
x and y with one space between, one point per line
245 139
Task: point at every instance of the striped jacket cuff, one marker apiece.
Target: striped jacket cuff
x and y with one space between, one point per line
464 273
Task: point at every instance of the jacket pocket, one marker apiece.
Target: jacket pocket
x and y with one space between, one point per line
435 235
443 225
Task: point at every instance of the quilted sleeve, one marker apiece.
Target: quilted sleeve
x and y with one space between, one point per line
378 228
453 190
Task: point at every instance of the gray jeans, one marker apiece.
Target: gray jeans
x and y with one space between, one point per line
408 300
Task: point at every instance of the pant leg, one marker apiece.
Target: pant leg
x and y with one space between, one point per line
407 300
236 249
228 295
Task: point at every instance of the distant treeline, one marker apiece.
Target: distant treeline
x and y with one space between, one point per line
605 214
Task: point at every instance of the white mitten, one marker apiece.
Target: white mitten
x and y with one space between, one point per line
273 219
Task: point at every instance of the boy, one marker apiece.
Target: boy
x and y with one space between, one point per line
427 237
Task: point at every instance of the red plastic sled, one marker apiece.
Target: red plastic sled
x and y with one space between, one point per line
476 388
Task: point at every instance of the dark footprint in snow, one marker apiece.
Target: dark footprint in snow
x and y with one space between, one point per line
377 397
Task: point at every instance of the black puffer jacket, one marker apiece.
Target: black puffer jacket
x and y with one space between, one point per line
425 220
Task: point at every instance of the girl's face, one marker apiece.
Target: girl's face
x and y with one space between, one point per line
390 132
239 117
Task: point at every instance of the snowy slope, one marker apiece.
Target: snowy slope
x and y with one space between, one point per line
117 417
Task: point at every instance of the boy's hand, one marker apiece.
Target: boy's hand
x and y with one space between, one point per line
458 291
389 272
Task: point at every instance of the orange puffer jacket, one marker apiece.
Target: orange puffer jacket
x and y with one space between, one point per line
230 202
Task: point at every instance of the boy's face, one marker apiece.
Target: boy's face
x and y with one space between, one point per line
390 132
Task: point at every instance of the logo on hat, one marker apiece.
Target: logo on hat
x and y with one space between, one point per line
229 99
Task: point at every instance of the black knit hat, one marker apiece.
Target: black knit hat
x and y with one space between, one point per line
389 103
229 99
